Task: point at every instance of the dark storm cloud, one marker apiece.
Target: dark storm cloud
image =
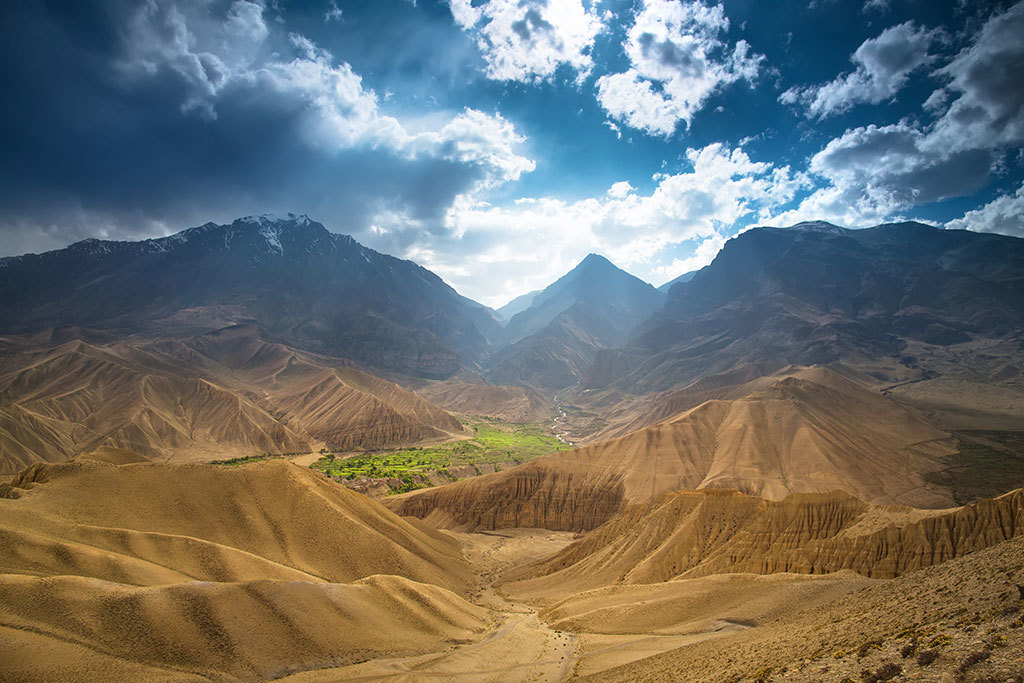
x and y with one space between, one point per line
128 127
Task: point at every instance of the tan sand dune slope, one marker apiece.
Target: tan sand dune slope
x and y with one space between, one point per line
157 571
815 433
700 533
251 630
218 395
212 523
625 413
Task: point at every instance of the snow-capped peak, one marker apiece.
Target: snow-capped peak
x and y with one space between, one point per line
265 219
272 234
819 226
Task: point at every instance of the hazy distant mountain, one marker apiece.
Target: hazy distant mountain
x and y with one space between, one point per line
517 305
316 289
595 283
685 277
551 343
898 300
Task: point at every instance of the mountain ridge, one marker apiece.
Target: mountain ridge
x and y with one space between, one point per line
892 300
315 289
551 343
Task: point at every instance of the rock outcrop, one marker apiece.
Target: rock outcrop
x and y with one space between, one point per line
691 534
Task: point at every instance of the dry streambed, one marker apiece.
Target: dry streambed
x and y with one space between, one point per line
519 646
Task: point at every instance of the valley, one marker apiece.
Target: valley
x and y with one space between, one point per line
492 446
744 476
509 605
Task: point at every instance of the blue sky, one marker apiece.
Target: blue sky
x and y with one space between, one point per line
499 142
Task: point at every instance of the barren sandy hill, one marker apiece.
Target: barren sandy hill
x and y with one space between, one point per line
957 403
218 395
699 533
696 605
152 523
625 413
817 432
256 630
959 620
186 572
512 404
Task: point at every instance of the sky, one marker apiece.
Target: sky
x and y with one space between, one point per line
498 142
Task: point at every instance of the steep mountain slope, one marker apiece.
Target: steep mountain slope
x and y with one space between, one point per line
517 305
685 277
312 288
202 571
810 431
213 396
901 301
513 404
551 343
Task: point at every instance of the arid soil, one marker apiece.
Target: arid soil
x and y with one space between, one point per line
149 571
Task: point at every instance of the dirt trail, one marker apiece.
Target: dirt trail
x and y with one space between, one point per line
519 647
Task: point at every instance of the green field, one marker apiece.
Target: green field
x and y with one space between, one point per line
493 441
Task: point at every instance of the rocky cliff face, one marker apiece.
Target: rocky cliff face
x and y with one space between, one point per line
699 533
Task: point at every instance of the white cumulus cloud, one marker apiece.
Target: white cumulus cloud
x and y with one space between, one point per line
677 61
527 40
641 232
874 173
1003 215
213 53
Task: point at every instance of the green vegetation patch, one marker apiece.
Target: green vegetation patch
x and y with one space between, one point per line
245 459
987 464
493 442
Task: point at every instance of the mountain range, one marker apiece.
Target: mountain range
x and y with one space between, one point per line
318 290
906 308
803 460
895 300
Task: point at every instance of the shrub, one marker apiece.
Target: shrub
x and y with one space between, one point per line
867 647
909 649
886 672
972 659
927 657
